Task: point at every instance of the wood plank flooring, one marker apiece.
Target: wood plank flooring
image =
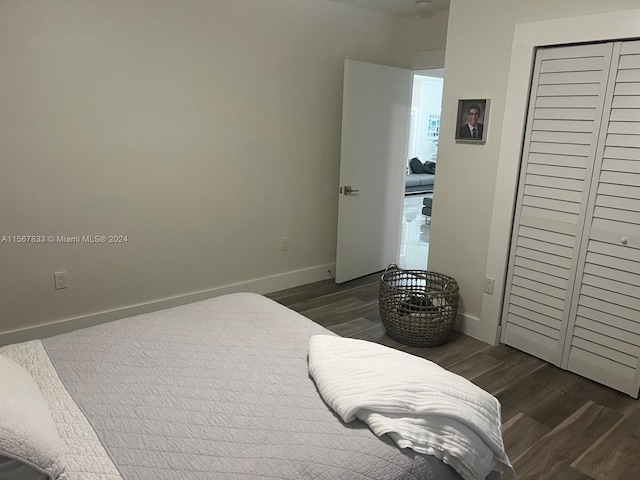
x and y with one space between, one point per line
556 425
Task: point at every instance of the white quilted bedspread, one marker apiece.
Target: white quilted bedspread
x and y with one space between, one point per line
214 390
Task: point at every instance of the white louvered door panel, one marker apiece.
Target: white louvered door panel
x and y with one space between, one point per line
604 329
563 125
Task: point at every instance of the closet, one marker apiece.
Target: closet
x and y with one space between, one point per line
573 284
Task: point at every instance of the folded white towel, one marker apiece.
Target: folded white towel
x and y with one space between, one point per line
418 403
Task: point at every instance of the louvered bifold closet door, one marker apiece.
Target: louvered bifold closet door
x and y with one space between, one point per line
565 111
604 342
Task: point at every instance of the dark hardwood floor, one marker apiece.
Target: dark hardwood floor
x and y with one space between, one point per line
556 425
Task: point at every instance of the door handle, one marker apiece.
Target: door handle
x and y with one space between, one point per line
348 190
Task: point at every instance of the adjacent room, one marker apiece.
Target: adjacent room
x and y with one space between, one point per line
203 204
424 130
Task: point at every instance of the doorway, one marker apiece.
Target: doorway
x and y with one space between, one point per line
424 129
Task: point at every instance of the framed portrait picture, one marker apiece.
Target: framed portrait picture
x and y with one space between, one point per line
473 116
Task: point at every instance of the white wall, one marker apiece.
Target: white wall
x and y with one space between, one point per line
422 39
423 32
204 131
479 40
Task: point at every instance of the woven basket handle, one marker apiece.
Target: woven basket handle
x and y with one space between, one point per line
392 266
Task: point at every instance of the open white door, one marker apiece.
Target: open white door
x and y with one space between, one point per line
376 108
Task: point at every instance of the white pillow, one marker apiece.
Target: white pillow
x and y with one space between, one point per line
29 443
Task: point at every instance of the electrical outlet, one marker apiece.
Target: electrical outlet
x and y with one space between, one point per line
284 244
60 280
489 283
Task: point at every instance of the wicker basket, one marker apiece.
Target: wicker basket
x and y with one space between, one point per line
417 307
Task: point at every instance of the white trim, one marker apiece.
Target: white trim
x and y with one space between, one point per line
468 325
528 36
262 285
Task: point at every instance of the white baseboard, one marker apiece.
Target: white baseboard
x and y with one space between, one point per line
262 285
468 325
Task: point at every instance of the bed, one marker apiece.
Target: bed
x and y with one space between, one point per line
218 389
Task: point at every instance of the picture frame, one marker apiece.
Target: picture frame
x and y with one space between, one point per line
473 114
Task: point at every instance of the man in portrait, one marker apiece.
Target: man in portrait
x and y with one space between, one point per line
472 129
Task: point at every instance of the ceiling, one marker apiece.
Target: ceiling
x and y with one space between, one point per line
399 8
